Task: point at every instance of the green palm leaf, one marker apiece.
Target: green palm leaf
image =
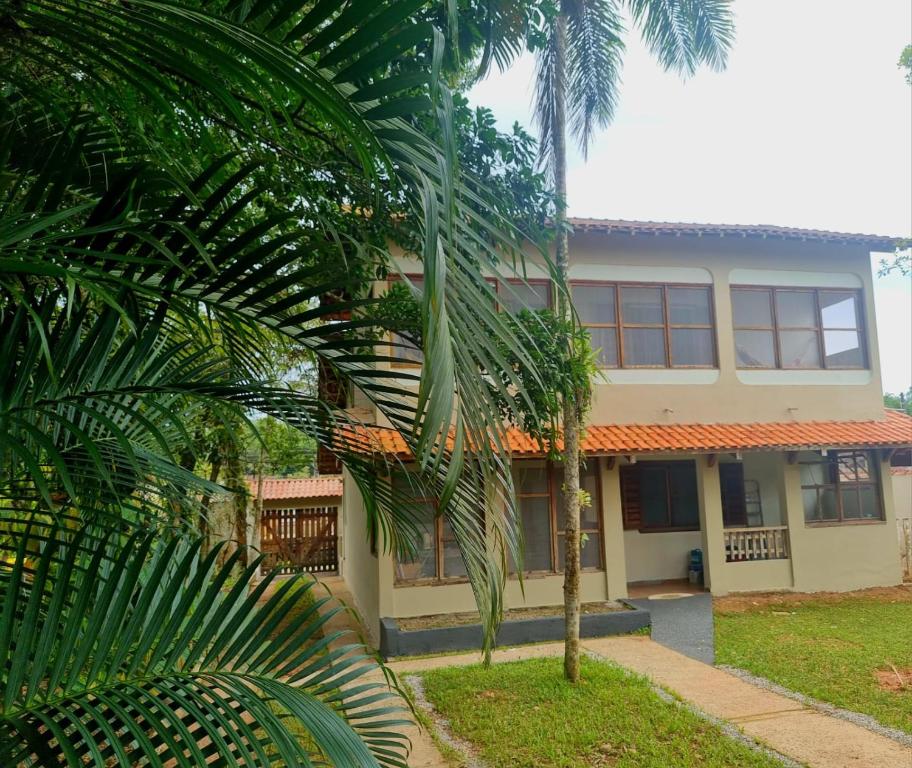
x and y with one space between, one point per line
151 659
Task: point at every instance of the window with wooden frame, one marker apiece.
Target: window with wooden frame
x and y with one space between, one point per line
535 293
539 499
648 325
438 556
798 328
514 295
841 488
659 496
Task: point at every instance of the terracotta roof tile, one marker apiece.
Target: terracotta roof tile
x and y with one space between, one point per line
763 231
297 487
894 430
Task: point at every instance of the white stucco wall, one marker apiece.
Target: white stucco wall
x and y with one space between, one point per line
358 566
659 556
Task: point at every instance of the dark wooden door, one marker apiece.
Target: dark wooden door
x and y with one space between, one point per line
304 539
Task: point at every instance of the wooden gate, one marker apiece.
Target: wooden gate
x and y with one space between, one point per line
301 539
904 528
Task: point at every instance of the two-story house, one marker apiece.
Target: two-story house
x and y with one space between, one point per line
739 413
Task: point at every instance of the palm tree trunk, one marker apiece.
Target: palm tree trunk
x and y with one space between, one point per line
570 405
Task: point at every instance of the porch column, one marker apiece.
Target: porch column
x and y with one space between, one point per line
613 530
792 507
709 493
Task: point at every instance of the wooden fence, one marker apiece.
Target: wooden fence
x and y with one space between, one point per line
904 529
303 539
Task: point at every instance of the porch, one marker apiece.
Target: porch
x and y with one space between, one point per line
763 521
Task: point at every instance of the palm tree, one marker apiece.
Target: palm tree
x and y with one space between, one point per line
579 50
183 185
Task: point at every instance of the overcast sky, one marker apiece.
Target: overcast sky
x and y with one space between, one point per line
809 126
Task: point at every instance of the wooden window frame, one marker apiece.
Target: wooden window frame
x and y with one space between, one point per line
439 559
397 363
530 282
553 495
666 326
819 329
838 485
642 527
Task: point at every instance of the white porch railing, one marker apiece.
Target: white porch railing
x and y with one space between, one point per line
770 543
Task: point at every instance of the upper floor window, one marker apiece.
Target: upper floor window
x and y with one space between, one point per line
531 294
841 487
798 328
519 295
648 325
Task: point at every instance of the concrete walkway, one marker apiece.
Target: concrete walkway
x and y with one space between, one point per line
684 624
801 733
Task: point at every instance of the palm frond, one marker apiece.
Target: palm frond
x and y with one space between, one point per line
682 34
151 657
595 52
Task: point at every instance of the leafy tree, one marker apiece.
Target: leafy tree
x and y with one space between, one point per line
901 402
905 62
185 185
279 449
579 48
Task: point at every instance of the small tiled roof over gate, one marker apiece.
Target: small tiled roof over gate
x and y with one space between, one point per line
275 488
893 431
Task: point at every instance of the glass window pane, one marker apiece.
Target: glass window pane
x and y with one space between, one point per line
845 464
591 553
870 506
530 479
642 305
689 306
752 308
798 349
453 565
589 483
755 349
424 564
404 349
594 303
812 474
795 309
685 506
819 504
843 349
654 497
604 342
850 505
536 528
838 309
691 346
515 297
862 469
644 346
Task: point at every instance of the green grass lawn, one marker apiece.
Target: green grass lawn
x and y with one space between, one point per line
523 715
827 648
